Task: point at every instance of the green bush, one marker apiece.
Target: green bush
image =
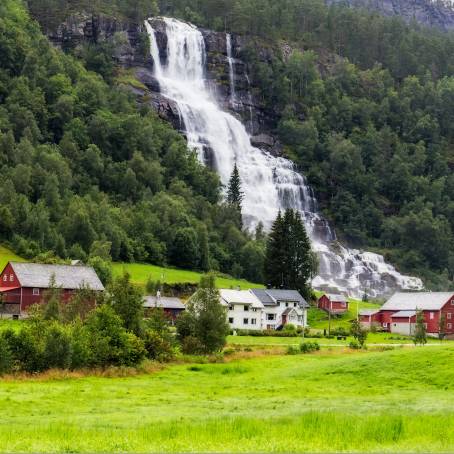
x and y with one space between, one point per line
157 347
6 358
292 350
354 345
309 347
290 328
57 347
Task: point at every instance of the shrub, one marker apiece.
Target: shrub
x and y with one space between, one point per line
157 347
292 350
355 345
290 328
229 351
80 347
57 347
6 358
191 345
26 349
309 347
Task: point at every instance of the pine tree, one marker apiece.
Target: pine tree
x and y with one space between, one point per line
234 194
289 259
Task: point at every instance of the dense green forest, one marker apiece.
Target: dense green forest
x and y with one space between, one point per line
364 105
83 168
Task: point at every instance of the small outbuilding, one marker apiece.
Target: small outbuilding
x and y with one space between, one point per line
172 306
335 304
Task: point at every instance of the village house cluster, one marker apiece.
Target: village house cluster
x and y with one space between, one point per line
25 284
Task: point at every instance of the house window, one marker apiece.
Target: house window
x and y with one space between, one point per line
449 325
231 307
5 277
253 321
245 321
431 315
449 315
246 308
294 304
286 304
231 320
254 309
36 291
385 325
270 316
11 277
452 302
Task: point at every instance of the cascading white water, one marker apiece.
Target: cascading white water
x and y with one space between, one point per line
231 71
269 183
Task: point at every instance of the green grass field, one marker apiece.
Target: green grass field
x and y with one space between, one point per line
372 339
395 401
8 256
140 273
318 319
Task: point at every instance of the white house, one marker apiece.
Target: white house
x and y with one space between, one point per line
282 307
245 311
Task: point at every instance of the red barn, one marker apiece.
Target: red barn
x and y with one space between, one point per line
23 284
333 303
398 314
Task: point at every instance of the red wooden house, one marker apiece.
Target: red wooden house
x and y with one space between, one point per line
24 284
333 303
398 314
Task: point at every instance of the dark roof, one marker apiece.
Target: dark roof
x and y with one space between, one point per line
270 297
164 302
66 276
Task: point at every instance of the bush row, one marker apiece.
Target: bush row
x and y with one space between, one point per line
305 347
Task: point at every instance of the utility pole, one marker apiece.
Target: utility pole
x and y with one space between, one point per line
329 316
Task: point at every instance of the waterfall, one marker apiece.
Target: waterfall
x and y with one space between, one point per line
269 183
231 70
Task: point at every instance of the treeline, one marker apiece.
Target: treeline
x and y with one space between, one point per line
82 165
94 330
363 104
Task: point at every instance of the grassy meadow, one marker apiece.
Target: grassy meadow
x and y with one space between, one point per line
8 256
140 273
400 400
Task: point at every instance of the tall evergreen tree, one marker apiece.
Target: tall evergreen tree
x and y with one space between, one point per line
234 194
289 260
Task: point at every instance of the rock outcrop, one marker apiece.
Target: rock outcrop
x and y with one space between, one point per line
436 13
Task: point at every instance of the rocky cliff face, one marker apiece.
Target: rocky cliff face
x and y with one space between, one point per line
436 13
130 52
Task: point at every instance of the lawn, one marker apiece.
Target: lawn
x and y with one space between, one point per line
8 256
400 400
318 319
372 338
140 273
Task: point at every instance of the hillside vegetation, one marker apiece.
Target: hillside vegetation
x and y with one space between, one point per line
363 104
368 402
83 165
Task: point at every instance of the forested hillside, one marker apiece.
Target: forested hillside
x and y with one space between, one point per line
82 167
364 105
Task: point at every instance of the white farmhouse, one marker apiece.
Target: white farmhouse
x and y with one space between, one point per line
282 307
245 311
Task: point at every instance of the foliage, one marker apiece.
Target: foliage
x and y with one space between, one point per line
127 301
419 337
87 173
234 194
309 347
288 261
358 332
203 328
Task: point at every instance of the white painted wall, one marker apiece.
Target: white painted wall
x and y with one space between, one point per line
237 314
407 329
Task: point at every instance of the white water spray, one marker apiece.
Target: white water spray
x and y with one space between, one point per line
269 183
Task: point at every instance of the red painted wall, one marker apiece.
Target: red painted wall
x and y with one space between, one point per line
325 303
8 277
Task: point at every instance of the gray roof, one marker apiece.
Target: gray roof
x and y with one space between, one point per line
164 302
270 297
411 301
369 311
67 277
336 297
405 314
